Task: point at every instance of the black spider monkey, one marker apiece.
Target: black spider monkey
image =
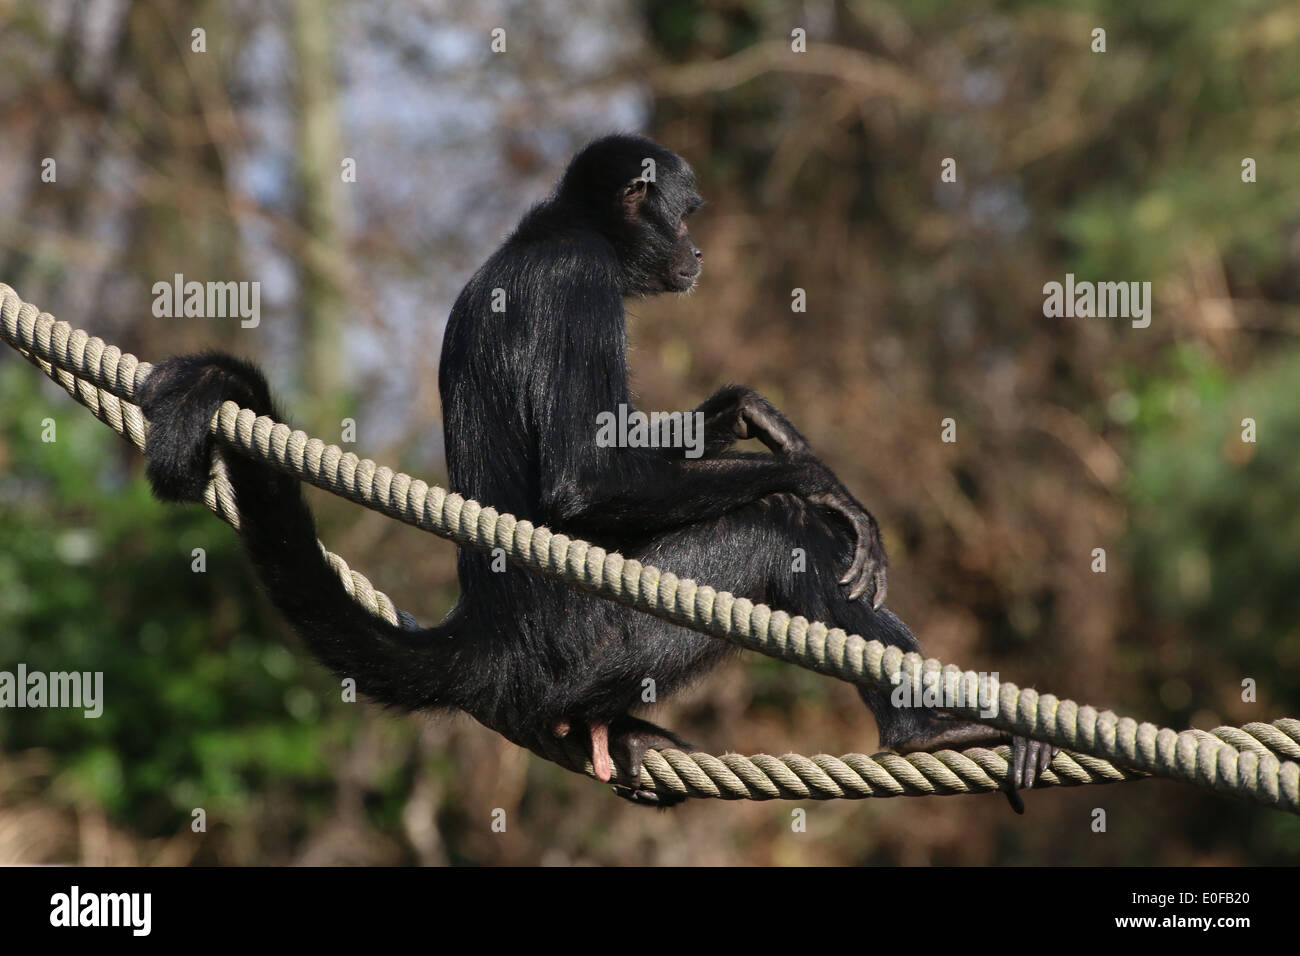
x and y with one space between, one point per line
535 349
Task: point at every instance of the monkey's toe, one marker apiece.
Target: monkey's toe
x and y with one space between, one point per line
648 798
1029 759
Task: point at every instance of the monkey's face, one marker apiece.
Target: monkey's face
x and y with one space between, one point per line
661 256
687 260
639 195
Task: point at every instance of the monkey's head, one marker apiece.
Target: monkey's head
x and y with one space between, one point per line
639 196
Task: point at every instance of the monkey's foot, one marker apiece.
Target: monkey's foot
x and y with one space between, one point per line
624 741
1029 758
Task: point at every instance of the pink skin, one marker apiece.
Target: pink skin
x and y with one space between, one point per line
600 759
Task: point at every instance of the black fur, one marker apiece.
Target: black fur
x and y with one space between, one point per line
521 389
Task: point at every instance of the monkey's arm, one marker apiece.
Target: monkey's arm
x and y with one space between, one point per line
622 494
703 488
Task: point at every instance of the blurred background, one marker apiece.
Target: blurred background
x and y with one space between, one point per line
822 171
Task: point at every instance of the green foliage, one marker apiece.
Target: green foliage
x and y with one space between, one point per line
1215 526
1215 536
96 576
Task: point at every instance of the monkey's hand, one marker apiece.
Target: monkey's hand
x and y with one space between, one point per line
179 398
736 412
870 564
756 417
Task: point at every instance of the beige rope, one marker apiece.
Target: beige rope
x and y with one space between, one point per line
1231 760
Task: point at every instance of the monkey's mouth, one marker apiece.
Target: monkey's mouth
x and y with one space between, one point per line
684 281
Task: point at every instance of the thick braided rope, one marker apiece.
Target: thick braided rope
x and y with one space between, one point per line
851 777
1281 737
104 380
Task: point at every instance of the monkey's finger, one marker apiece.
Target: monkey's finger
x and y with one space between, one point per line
857 585
1017 802
858 589
881 588
1019 751
855 572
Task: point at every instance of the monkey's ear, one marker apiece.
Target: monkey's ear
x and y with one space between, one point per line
634 194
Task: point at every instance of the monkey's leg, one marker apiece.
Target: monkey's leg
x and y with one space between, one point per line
903 729
748 552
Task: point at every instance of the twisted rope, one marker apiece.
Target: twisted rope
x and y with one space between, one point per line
850 777
1281 737
1098 745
